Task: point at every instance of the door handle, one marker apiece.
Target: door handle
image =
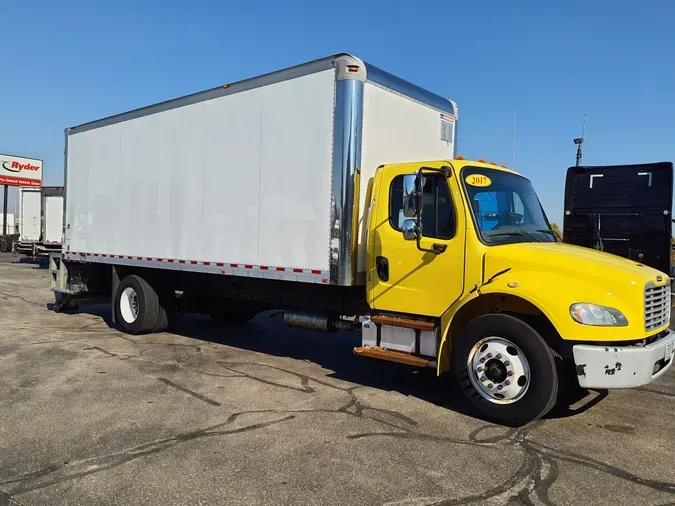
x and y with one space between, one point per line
382 267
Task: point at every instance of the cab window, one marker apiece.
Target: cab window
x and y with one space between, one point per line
438 214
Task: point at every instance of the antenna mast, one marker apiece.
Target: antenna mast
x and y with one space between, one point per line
580 141
514 139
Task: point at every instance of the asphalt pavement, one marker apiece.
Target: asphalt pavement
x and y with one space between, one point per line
260 414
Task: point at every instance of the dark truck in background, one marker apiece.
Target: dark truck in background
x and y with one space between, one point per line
625 210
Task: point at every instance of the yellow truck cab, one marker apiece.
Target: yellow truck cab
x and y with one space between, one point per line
468 244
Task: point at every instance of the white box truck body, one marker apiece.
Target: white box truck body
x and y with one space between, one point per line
252 179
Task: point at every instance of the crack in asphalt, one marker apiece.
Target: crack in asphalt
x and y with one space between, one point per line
530 484
189 392
65 471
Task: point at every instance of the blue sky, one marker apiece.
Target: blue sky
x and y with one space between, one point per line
65 63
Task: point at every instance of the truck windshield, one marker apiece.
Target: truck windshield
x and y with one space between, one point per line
505 207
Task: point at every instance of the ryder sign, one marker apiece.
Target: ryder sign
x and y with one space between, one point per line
18 171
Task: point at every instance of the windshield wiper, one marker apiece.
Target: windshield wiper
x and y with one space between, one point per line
519 233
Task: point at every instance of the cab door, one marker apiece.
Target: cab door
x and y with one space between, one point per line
402 278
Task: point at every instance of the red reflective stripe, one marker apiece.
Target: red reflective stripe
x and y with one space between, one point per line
207 263
130 258
220 265
264 268
103 254
160 259
95 254
148 258
181 261
234 265
248 267
139 258
193 262
170 260
316 272
297 270
280 269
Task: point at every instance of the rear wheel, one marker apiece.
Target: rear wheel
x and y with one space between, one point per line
505 369
137 307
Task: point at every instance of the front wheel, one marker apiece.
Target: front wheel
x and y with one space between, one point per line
505 369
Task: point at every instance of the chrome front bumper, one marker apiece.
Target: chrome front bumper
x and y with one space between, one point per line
623 366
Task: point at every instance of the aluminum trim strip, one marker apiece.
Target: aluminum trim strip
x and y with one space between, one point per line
390 81
208 267
64 223
345 181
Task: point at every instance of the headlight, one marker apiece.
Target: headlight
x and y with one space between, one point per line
592 314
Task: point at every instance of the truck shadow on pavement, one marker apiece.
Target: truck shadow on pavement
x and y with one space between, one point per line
267 334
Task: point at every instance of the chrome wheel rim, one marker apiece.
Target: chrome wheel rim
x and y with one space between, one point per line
129 305
498 370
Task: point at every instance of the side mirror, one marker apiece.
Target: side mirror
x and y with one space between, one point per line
409 230
410 196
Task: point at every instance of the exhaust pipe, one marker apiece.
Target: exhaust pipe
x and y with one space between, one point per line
319 322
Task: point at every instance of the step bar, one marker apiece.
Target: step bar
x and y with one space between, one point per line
400 357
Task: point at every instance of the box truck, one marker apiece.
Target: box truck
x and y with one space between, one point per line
622 209
309 190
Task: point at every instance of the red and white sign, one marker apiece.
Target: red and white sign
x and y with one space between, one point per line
18 171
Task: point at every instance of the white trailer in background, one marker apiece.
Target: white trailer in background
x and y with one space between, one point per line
52 220
41 221
30 209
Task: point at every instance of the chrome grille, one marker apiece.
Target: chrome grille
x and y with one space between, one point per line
657 306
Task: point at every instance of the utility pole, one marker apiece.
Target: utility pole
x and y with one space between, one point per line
4 212
579 141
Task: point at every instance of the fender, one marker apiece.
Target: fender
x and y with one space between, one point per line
553 294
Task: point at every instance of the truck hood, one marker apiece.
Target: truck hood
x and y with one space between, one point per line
552 276
574 261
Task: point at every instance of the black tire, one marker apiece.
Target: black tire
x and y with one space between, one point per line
149 308
166 313
542 392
